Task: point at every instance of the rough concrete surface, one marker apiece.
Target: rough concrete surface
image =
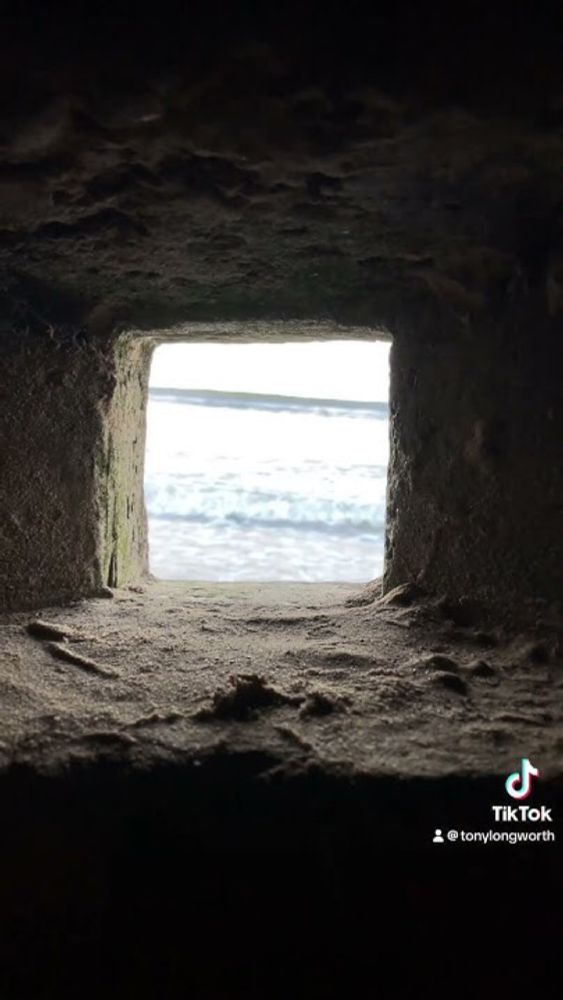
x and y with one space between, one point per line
230 791
307 673
395 168
474 483
72 426
250 773
394 163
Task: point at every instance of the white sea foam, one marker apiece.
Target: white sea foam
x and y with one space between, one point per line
261 488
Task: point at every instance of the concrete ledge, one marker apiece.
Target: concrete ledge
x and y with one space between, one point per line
200 836
304 678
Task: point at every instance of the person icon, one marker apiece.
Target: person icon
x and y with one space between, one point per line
438 839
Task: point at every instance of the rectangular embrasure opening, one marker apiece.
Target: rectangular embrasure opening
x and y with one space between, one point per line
268 461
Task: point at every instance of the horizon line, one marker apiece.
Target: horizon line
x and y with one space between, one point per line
273 397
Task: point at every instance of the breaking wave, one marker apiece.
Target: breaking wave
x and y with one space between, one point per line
245 487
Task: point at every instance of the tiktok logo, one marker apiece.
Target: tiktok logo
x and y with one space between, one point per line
519 784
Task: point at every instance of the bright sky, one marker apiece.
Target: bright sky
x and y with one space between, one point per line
336 369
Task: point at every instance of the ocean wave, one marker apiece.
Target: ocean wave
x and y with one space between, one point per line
358 527
277 494
235 502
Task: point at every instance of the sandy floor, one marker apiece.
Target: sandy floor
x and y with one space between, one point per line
375 688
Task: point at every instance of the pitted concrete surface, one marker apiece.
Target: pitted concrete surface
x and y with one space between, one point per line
309 674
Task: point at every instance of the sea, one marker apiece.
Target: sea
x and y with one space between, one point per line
247 487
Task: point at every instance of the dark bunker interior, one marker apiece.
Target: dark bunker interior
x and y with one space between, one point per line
221 790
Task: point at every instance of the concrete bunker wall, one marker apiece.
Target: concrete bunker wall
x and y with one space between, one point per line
72 448
475 488
398 168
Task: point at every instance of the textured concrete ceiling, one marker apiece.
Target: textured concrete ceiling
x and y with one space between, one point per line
346 161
